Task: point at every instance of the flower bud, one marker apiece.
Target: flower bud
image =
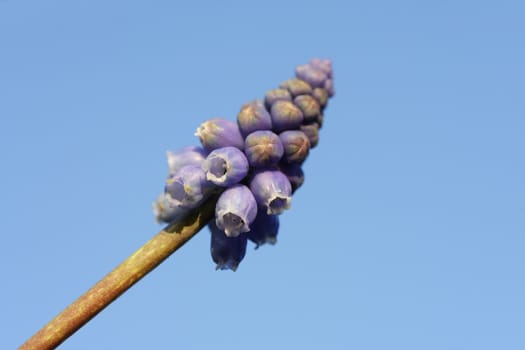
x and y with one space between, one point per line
263 148
226 252
185 156
296 87
252 117
164 212
235 210
294 173
296 146
329 87
218 132
272 191
324 65
264 229
286 116
276 95
321 96
312 75
225 166
309 106
320 120
187 187
312 132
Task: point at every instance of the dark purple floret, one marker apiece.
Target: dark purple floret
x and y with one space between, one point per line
226 252
252 117
263 148
286 116
264 229
276 95
296 87
296 146
320 120
309 106
312 132
294 173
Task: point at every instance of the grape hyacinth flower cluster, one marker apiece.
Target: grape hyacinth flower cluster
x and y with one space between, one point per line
254 163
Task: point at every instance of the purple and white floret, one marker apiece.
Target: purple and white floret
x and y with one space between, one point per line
272 191
235 210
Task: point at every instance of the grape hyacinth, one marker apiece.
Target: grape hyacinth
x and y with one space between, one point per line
225 166
235 210
253 164
263 148
272 191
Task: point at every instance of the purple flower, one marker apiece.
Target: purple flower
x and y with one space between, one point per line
320 120
321 96
263 148
329 87
309 106
286 116
296 146
294 173
218 132
225 166
272 190
254 116
264 229
311 74
276 95
312 132
323 64
296 87
164 212
226 252
185 156
235 210
187 187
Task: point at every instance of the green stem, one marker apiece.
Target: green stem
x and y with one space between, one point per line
129 272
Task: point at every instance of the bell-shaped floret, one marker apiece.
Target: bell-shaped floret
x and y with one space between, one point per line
272 191
186 156
187 187
225 166
235 210
165 212
226 252
264 229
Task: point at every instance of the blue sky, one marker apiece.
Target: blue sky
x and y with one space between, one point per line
409 230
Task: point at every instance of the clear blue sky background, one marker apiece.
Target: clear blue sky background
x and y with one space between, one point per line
409 230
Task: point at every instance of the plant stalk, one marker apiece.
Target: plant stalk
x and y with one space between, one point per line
129 272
